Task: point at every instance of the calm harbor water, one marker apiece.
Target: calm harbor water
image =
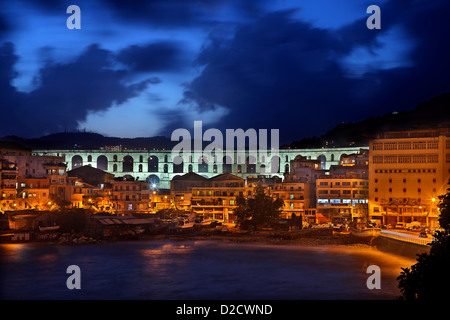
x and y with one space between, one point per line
174 270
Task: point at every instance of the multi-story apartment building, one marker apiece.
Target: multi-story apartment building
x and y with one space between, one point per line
128 196
343 195
218 199
8 184
33 193
161 199
408 170
304 168
181 188
295 196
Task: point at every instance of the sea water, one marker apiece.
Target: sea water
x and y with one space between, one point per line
191 270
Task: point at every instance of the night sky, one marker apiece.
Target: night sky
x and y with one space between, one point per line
144 68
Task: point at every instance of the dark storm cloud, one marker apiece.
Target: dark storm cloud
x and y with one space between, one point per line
65 94
275 73
185 13
278 72
161 56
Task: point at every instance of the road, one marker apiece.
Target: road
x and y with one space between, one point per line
406 236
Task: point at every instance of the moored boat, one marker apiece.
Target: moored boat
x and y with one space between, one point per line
341 232
52 228
365 232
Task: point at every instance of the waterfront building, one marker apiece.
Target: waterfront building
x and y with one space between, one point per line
161 199
130 196
295 196
344 196
218 199
181 188
408 170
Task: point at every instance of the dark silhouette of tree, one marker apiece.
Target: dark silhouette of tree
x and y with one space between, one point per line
429 278
258 210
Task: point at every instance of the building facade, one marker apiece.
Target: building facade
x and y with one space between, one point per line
295 196
218 199
346 196
408 170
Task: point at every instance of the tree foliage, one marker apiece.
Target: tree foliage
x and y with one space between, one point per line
258 210
430 276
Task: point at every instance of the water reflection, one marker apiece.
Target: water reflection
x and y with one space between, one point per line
197 270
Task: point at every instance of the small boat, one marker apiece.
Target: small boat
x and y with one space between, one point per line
341 232
366 232
184 224
204 222
52 228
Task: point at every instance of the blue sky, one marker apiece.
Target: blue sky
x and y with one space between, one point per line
144 68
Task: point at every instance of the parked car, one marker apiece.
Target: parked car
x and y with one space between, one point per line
400 225
415 225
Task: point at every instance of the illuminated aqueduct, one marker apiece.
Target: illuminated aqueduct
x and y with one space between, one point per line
157 166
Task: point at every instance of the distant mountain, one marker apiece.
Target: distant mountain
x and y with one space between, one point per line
89 141
431 114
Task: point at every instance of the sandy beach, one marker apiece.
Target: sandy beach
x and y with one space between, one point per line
308 237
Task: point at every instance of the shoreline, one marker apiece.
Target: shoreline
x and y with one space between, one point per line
311 238
305 237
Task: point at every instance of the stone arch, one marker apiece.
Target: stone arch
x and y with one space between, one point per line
115 167
332 157
286 168
166 168
127 164
251 164
203 164
154 180
77 161
128 177
323 161
227 164
262 169
89 158
275 164
178 164
102 163
153 162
